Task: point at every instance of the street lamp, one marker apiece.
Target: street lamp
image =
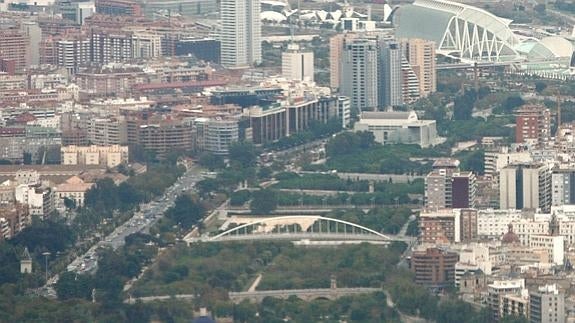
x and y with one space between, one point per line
46 255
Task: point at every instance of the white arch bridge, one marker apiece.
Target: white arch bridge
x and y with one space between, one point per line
297 228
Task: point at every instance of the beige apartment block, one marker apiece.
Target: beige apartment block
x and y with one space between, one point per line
110 156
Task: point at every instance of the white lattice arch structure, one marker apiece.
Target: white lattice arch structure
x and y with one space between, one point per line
459 30
267 225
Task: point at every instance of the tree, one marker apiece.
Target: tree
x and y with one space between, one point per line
128 196
264 201
540 9
103 195
186 211
243 154
69 203
463 105
45 235
211 161
540 86
511 103
473 161
72 285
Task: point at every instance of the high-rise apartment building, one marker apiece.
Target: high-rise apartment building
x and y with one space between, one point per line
215 135
107 131
72 53
547 305
420 54
447 187
437 226
360 68
434 267
335 54
110 47
466 225
500 289
463 190
240 33
525 186
409 83
164 136
14 47
532 124
563 187
297 64
391 79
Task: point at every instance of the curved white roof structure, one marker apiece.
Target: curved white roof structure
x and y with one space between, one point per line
558 46
459 30
272 16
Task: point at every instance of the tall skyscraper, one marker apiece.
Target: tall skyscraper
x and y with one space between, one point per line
335 53
420 54
409 83
359 79
390 85
297 64
240 33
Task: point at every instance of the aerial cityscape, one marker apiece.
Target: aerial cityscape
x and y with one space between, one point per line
266 161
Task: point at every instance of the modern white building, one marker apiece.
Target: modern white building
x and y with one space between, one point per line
398 128
525 186
215 135
240 33
297 64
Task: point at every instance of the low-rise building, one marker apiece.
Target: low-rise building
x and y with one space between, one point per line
110 156
398 128
74 189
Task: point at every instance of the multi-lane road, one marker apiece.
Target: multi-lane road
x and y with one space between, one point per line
142 220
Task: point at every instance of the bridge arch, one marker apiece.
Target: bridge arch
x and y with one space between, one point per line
310 219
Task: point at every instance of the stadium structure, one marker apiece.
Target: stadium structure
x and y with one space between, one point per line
470 34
